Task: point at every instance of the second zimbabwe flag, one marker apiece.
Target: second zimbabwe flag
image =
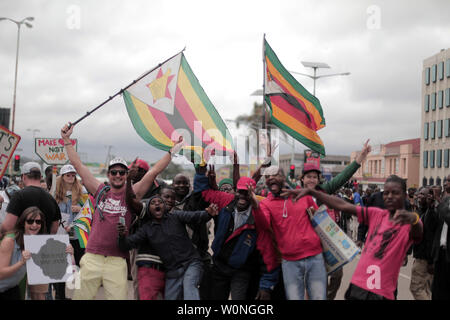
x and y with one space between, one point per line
292 108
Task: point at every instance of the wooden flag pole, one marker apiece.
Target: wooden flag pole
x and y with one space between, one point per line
88 113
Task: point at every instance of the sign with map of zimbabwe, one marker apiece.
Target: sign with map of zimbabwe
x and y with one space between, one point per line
49 262
8 143
52 150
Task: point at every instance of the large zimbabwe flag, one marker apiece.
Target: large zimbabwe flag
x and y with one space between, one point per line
170 102
292 108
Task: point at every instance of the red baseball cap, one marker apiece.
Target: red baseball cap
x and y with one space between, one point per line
244 181
141 164
311 166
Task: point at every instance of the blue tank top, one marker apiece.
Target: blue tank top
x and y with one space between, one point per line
15 279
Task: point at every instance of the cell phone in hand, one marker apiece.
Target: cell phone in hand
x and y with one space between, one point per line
122 220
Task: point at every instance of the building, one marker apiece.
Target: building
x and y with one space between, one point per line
331 164
435 140
401 158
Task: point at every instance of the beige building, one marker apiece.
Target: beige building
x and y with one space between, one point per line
401 158
435 139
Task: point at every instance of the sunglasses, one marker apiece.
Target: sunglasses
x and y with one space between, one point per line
31 221
115 172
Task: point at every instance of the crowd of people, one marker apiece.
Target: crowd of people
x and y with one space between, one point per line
243 238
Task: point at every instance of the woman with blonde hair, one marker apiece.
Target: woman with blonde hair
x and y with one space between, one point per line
70 196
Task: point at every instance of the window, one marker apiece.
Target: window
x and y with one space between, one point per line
446 157
427 103
439 128
425 159
432 154
425 130
447 97
439 158
432 129
448 69
424 182
440 99
431 181
447 127
438 181
441 70
427 74
433 72
433 101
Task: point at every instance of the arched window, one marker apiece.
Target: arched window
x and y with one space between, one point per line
438 181
424 182
431 181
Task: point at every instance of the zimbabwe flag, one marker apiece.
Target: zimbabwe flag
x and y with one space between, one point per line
292 108
170 102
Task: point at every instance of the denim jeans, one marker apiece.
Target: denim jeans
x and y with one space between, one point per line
309 272
185 287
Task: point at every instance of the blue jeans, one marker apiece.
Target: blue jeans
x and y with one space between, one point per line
309 271
185 287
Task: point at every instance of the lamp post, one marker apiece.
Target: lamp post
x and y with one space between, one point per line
315 66
18 23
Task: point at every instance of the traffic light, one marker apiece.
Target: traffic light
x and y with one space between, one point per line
16 162
292 172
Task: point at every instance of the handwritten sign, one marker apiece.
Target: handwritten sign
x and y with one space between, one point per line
52 150
8 143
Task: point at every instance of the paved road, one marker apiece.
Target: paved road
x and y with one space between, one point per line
403 280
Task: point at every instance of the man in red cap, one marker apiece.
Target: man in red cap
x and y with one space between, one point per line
235 253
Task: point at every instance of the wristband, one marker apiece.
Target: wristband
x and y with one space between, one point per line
417 219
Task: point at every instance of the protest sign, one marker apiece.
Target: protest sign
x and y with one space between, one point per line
49 262
8 143
338 248
52 150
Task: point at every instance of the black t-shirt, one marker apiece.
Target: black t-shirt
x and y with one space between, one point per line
35 196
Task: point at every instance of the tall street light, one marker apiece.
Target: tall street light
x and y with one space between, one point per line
18 23
315 66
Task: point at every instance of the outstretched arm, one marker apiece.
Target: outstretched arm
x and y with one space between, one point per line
337 182
329 200
141 187
89 181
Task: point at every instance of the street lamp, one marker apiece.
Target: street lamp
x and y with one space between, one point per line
34 132
18 23
315 66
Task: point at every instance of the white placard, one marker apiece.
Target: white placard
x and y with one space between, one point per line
52 150
49 262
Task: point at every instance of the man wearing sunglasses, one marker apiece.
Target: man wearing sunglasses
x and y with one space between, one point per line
104 263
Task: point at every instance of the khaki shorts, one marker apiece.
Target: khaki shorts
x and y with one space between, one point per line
96 270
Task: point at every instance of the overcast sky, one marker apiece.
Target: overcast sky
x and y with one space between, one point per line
79 53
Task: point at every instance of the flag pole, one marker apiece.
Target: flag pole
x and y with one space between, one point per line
264 120
88 113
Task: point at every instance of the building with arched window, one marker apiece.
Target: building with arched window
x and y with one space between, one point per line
401 158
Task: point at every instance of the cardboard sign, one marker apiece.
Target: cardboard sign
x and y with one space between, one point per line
52 150
8 144
49 262
338 248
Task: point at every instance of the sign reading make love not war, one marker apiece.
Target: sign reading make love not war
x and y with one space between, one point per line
52 150
8 143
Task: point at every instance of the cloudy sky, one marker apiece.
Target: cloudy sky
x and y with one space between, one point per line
79 53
